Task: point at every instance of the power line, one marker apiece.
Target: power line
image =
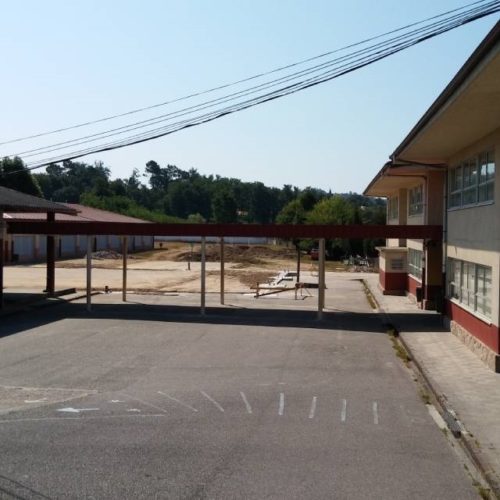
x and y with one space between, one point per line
242 93
369 56
244 80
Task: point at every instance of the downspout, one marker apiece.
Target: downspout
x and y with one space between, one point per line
445 241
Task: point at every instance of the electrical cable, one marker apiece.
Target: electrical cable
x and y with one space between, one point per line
253 77
370 55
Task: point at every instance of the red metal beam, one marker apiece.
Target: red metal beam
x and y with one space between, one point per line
313 231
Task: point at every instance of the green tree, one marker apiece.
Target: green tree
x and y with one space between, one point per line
15 175
224 207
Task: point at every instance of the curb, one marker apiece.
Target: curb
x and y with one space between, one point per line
448 414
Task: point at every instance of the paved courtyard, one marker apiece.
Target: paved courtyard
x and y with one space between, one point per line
150 400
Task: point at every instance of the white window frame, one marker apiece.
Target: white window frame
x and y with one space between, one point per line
393 208
476 175
416 200
469 285
415 263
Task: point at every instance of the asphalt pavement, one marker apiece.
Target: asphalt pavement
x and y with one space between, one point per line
144 401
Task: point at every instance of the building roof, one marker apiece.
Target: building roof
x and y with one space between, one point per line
465 111
473 93
15 201
85 214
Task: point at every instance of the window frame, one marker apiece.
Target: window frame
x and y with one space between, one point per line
465 290
415 269
416 200
463 194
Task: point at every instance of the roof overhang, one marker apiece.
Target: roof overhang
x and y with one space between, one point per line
467 110
397 176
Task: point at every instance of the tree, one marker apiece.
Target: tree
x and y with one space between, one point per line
224 207
335 210
292 213
15 175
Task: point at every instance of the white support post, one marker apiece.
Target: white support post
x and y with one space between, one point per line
124 266
89 272
222 271
203 284
321 278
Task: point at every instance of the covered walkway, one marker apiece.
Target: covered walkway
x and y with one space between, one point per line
221 231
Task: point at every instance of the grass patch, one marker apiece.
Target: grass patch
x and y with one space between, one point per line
484 493
400 351
426 398
369 296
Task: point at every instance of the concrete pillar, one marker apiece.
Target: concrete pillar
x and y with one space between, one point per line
321 278
124 257
203 274
51 259
89 273
222 271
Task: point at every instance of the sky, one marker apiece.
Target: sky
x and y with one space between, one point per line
70 62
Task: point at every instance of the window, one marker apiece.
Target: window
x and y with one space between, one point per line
397 264
472 182
416 197
415 262
393 208
470 284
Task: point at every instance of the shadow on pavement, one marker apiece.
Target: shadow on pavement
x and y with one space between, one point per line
284 318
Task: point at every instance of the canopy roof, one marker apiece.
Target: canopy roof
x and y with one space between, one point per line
15 201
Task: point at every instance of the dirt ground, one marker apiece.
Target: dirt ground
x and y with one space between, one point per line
173 268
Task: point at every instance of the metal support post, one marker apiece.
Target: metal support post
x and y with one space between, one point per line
51 259
89 272
3 237
222 271
203 269
321 278
124 268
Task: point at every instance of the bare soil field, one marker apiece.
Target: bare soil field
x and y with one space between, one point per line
173 268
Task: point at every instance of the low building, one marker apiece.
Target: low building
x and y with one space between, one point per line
444 172
32 248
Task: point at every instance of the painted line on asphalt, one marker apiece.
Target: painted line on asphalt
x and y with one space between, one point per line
213 401
79 419
281 407
247 404
177 401
145 403
375 413
313 407
343 412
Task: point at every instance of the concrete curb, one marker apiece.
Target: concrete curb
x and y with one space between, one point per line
470 449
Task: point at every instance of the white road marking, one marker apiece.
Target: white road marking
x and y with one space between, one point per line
69 409
213 401
375 413
134 409
117 401
343 413
78 419
313 407
35 400
247 404
282 404
145 403
177 401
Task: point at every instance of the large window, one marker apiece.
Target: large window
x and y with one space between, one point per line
470 284
472 182
393 208
415 262
416 200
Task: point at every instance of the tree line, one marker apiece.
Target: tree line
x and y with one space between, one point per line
171 194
